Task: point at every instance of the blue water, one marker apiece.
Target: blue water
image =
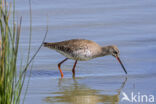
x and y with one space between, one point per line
128 24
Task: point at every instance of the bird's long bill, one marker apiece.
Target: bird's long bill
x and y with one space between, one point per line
121 64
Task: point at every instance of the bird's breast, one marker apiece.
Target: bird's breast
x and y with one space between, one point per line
81 55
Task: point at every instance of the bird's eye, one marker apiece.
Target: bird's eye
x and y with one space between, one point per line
115 52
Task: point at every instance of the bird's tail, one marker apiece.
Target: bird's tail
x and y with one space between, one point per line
45 44
49 45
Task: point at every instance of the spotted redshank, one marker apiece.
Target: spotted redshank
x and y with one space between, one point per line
82 50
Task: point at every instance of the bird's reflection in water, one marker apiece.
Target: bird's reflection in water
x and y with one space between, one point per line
71 92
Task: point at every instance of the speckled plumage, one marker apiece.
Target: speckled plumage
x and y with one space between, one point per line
76 49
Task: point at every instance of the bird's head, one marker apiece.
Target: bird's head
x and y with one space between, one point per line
114 51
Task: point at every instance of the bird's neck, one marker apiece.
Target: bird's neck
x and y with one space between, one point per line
105 50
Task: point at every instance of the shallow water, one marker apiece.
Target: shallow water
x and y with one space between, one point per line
88 89
128 24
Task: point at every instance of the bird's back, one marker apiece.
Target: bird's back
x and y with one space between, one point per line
76 48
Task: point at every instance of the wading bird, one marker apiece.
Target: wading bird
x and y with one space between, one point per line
82 50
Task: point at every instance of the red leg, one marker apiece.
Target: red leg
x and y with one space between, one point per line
73 70
59 66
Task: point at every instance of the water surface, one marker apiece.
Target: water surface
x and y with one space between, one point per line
128 24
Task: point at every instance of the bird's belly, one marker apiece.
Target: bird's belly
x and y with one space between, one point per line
78 55
82 58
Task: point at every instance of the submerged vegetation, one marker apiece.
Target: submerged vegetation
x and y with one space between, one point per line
12 78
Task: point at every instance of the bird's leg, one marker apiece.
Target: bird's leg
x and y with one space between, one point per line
73 70
59 66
